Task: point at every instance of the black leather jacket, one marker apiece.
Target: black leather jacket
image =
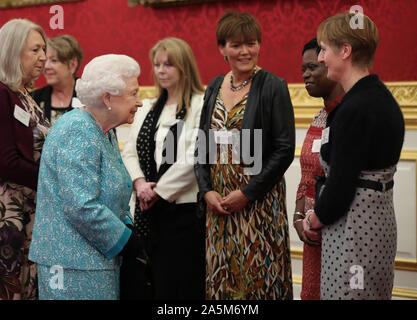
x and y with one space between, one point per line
268 108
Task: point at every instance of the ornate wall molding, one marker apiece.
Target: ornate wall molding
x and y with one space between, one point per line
305 107
5 4
167 3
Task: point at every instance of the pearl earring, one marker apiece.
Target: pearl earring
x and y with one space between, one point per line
109 108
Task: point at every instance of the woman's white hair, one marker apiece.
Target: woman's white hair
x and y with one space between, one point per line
103 74
13 36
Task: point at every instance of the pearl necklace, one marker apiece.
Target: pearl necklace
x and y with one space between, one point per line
243 84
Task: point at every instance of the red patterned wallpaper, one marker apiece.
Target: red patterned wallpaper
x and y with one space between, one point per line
110 26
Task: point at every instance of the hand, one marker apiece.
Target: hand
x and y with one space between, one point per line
144 190
213 200
313 233
235 201
144 206
303 237
298 222
315 223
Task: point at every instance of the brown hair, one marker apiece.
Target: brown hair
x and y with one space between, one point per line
67 48
180 56
337 30
237 25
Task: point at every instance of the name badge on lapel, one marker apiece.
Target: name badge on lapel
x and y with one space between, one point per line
325 135
21 115
223 137
315 148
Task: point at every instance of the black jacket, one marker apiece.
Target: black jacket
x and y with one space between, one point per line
269 109
42 97
366 133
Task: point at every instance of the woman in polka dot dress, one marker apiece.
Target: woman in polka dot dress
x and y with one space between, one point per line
360 149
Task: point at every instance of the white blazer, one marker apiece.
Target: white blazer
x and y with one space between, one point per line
179 183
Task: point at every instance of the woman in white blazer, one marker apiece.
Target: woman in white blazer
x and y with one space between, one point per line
159 156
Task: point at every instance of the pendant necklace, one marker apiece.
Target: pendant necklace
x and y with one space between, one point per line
243 84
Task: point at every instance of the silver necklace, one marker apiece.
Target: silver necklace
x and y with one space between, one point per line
243 84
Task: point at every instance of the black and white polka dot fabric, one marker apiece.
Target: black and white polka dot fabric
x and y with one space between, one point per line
145 147
358 250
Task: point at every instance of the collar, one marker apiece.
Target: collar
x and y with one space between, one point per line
331 106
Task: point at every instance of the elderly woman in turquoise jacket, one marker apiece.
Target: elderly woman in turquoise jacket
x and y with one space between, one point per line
83 224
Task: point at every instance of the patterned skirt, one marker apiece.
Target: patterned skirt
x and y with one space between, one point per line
18 275
358 250
310 288
248 254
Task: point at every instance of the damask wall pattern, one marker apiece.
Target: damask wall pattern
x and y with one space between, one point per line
111 26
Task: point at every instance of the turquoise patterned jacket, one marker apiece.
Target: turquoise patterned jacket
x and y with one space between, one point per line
83 197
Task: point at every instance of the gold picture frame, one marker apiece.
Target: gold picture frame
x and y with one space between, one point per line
167 3
7 4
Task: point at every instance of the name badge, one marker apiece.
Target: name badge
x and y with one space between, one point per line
223 137
21 115
325 135
316 146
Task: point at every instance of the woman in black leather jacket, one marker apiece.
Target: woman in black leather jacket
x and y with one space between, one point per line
245 146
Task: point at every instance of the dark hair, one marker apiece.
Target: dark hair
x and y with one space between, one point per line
234 24
312 44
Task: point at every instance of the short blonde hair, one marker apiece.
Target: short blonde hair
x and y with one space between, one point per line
67 48
180 56
13 35
106 73
337 30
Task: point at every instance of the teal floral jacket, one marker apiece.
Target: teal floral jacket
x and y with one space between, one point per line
83 197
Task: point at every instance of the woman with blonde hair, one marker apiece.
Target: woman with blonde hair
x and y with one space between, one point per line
360 149
23 128
159 156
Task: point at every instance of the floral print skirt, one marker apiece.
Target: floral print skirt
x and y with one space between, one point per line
18 278
18 275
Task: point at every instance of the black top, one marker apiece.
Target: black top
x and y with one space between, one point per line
42 97
268 110
366 133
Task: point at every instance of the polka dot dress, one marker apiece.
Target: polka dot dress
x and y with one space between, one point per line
358 250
